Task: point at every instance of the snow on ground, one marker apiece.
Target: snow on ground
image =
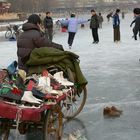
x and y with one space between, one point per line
113 73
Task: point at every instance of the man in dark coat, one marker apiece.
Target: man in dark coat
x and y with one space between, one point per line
136 28
116 25
94 25
48 25
100 17
30 39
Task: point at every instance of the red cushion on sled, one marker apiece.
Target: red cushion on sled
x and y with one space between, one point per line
10 111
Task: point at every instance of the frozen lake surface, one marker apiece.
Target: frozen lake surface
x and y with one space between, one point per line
113 73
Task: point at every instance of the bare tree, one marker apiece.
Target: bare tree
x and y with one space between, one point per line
32 5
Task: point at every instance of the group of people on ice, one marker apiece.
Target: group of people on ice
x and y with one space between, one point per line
72 26
116 23
33 37
73 22
96 21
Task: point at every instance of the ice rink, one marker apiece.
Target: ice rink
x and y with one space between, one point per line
113 74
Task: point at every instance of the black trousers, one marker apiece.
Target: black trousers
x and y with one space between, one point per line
71 38
95 34
117 33
49 34
135 32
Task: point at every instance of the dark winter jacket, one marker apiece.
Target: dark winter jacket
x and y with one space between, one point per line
48 22
109 15
116 20
137 25
94 22
31 38
100 19
132 22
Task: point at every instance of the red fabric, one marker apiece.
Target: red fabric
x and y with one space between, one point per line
30 85
45 73
63 97
7 111
63 30
49 96
31 114
10 111
16 91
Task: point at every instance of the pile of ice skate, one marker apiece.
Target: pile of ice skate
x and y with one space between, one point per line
47 88
34 90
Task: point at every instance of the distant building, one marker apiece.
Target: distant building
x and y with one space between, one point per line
77 4
4 6
108 0
81 3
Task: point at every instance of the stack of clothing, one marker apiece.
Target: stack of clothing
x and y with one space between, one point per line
52 74
36 89
68 62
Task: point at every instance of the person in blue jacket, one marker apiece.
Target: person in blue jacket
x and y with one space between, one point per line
116 25
72 24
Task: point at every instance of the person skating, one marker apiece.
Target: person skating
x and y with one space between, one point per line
100 17
109 16
94 25
123 15
116 26
31 38
136 28
135 37
72 24
48 25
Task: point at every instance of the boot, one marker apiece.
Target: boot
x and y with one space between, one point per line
28 97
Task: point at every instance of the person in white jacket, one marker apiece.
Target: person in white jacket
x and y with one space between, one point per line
72 24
